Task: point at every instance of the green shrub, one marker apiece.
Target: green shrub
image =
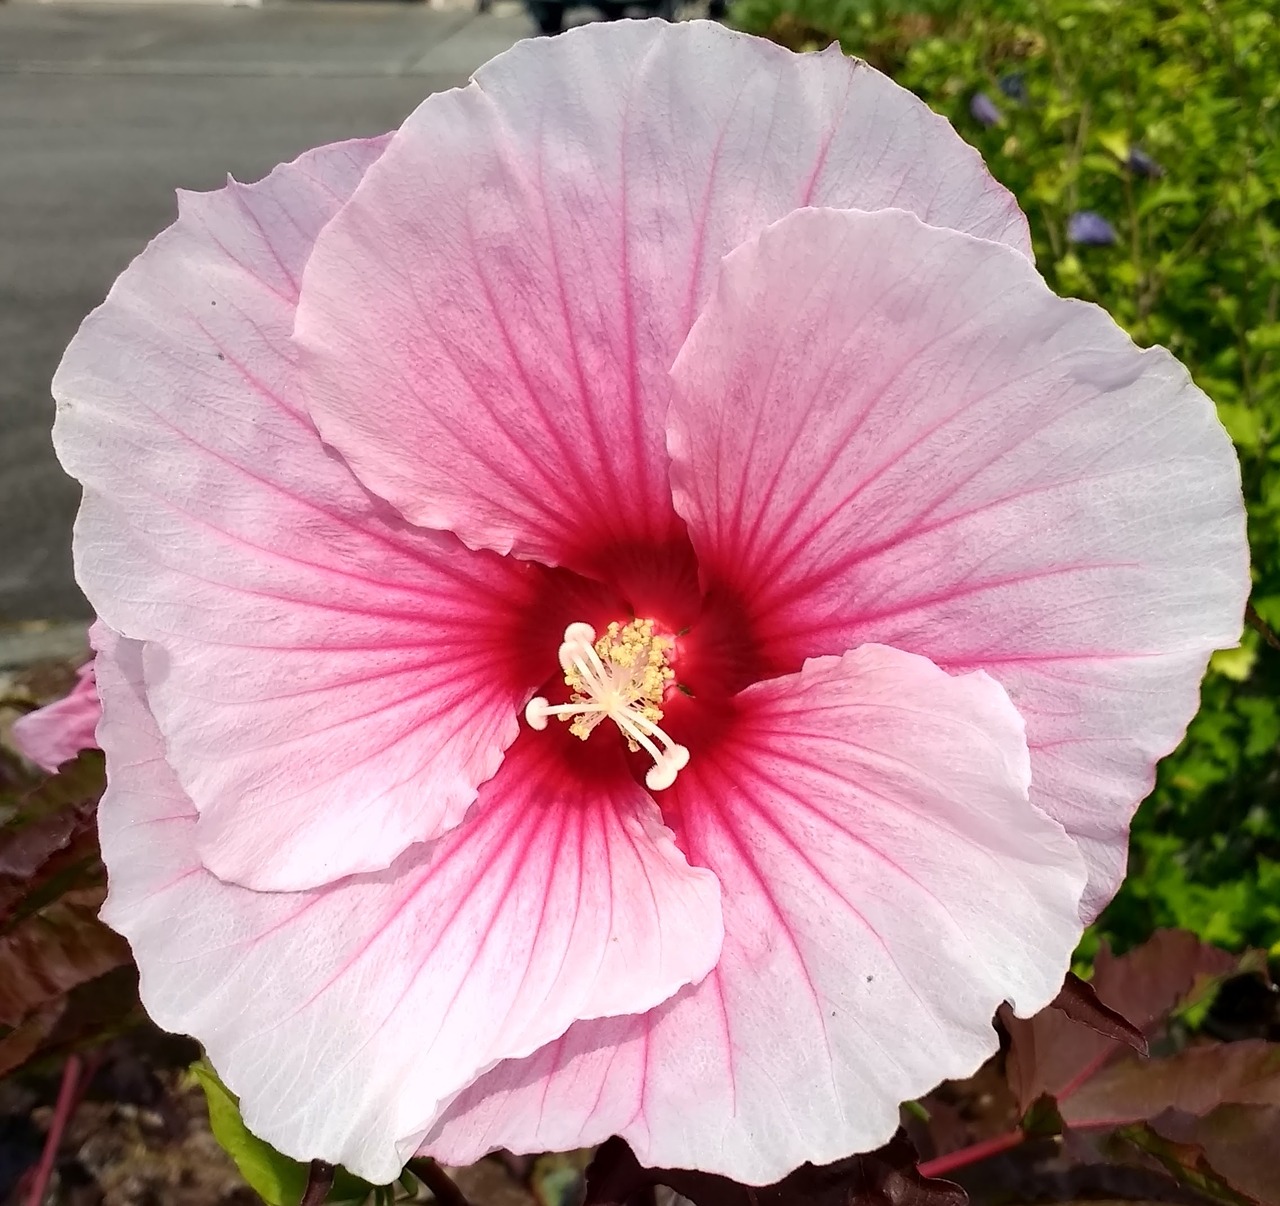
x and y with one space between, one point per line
1194 86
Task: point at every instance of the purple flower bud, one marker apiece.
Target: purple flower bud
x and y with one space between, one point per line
1090 229
1141 164
983 110
1014 85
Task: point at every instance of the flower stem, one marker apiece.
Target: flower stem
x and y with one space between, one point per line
62 1109
319 1181
942 1165
442 1186
1260 626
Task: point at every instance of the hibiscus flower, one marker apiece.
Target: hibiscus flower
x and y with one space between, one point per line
56 733
627 607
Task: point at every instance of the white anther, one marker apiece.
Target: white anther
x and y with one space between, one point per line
662 774
537 712
622 677
579 643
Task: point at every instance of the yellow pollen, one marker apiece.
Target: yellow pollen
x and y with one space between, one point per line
620 676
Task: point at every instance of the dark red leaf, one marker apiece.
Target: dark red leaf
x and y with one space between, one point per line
962 1113
1052 1053
1246 1006
1078 1000
887 1177
1187 1162
24 850
48 836
616 1178
75 865
51 952
1148 983
1240 1143
1194 1081
96 1010
25 1041
85 1017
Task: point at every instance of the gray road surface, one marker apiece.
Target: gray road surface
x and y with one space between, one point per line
104 111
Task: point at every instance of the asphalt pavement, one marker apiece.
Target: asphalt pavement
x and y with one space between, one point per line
104 111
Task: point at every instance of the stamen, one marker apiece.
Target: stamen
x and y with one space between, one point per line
623 676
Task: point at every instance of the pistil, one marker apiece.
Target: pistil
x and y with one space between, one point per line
621 676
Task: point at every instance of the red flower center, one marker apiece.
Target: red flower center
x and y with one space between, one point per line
647 646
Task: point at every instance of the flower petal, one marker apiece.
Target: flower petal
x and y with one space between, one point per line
886 886
344 1015
489 323
333 685
56 733
889 432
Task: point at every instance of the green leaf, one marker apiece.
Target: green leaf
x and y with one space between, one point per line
1266 337
277 1179
1243 424
1235 664
1116 142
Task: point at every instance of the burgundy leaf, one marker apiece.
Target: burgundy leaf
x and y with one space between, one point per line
887 1177
1240 1143
1185 1161
1053 1053
1194 1081
99 1008
74 864
23 851
1079 1001
1148 983
54 950
26 1040
48 833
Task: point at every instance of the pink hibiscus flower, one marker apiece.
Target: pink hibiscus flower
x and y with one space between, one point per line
628 607
56 733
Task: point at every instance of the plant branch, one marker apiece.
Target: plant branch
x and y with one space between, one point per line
443 1187
940 1166
1261 627
62 1111
319 1181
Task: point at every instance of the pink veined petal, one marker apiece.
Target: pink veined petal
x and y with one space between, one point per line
489 323
332 684
886 885
889 432
342 1016
56 733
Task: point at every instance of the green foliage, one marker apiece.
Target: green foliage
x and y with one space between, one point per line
1196 266
277 1179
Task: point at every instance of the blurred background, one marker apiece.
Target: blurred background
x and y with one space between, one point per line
105 109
